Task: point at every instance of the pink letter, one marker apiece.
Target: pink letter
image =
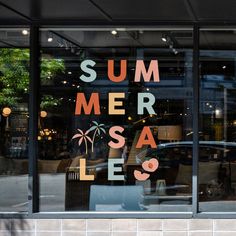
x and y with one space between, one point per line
141 70
119 138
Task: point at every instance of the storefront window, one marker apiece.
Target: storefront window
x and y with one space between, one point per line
132 150
217 161
14 89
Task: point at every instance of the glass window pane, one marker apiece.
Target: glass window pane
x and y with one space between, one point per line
14 89
153 177
217 121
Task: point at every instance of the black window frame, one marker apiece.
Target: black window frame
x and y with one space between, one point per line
33 182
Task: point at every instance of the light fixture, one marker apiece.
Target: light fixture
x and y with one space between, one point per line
175 51
217 111
69 72
6 111
64 82
147 89
223 67
129 118
43 114
144 121
164 38
50 38
25 32
114 32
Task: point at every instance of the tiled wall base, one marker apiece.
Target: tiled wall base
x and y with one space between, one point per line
118 227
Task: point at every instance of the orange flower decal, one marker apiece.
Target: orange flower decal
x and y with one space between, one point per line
150 165
141 176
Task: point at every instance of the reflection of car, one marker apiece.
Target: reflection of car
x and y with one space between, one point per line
182 152
217 169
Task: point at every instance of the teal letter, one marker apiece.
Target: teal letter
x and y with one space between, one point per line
112 169
84 67
148 105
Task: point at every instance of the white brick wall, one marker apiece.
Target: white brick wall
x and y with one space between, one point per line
118 227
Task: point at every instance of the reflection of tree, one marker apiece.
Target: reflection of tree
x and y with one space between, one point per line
14 75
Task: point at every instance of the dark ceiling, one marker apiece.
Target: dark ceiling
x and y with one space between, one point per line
117 11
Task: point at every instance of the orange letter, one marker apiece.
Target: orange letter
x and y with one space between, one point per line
123 71
82 171
93 103
112 103
141 70
146 132
119 138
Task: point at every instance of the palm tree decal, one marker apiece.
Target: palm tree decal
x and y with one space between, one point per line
98 128
83 137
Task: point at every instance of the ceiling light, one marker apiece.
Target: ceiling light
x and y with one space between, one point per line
25 32
175 51
164 39
223 67
114 32
50 39
129 118
69 72
64 82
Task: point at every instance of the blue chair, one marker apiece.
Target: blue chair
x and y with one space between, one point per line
123 198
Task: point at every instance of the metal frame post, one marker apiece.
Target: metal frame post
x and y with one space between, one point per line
195 205
33 190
